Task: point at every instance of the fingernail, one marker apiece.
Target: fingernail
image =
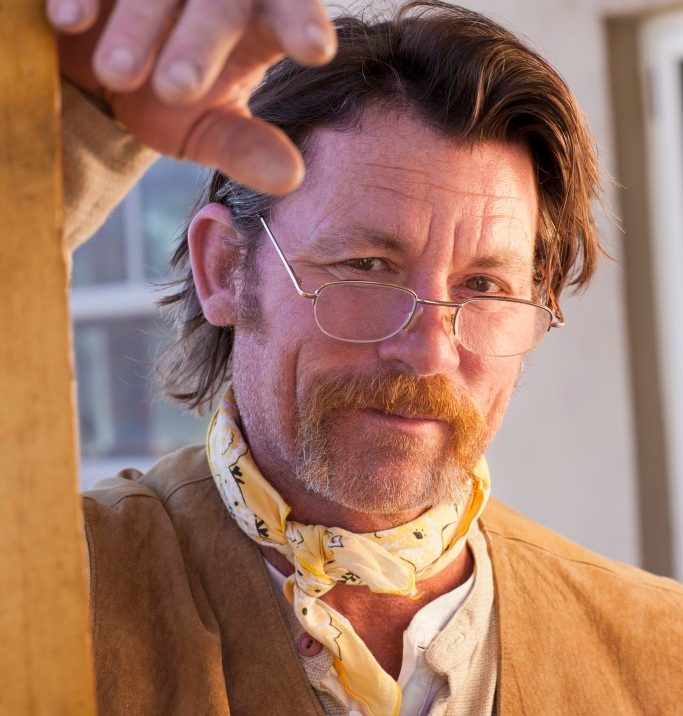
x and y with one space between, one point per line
120 61
182 75
319 37
68 12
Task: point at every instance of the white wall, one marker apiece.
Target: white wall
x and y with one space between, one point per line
565 455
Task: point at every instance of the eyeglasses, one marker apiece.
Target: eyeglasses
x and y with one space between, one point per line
369 312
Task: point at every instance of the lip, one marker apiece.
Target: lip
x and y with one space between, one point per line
410 423
404 416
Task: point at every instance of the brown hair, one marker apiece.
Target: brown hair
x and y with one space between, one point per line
466 77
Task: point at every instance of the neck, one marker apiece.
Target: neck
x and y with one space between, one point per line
381 619
378 619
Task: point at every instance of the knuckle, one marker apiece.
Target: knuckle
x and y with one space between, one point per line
139 20
206 32
138 24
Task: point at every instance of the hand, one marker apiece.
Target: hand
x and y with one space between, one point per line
179 74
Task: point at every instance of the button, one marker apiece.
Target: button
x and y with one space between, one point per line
308 646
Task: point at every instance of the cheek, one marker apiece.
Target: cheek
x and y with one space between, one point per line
285 316
269 355
264 380
490 382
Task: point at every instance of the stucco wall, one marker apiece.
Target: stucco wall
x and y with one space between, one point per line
565 455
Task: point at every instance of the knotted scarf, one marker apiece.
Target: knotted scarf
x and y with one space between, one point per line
389 561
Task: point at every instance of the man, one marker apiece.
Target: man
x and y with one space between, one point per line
362 336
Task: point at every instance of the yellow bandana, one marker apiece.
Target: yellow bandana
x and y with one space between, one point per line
388 562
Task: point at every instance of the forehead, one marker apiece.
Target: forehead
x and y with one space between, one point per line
393 176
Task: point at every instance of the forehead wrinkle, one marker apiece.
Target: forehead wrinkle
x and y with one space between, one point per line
396 192
448 189
507 256
512 212
395 167
514 225
437 185
508 217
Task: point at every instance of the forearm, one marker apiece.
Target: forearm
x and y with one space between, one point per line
101 162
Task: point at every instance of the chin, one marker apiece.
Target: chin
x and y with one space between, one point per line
384 489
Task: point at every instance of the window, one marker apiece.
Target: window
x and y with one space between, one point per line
118 331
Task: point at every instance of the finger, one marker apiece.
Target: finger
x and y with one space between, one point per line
248 150
195 52
125 53
302 28
72 16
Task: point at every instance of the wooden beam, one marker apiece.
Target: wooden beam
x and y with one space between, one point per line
45 665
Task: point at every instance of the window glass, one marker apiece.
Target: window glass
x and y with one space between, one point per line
168 193
118 412
123 421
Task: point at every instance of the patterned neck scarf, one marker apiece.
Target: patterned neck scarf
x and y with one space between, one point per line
388 562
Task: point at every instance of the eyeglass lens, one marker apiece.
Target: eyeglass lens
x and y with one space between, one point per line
501 328
362 312
365 312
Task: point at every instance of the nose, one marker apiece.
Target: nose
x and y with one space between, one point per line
427 345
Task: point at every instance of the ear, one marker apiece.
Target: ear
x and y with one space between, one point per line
215 248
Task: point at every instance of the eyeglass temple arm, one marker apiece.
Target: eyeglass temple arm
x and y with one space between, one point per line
288 268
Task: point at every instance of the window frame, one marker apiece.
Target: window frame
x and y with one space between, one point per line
661 66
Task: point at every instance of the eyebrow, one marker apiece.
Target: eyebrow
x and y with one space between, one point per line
505 259
358 238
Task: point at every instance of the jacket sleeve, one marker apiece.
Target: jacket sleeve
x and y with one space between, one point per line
101 161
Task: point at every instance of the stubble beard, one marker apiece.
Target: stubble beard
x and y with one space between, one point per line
372 478
386 472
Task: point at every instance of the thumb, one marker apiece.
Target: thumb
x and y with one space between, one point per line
246 149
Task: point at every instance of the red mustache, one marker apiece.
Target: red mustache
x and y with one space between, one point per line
432 397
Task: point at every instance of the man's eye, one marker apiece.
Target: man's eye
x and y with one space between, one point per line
371 263
482 284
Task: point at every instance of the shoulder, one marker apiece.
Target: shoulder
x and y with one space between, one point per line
172 472
562 603
129 523
152 622
513 536
605 633
120 510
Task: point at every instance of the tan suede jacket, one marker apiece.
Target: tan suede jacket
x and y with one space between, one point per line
185 620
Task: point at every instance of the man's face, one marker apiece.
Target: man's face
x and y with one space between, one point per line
396 425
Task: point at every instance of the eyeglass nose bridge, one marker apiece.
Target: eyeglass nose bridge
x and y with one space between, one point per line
454 308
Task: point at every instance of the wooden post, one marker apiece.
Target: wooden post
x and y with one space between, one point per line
45 664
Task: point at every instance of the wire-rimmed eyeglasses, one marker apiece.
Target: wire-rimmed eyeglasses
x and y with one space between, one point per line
368 312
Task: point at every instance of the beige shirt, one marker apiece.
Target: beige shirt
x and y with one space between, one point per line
462 658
